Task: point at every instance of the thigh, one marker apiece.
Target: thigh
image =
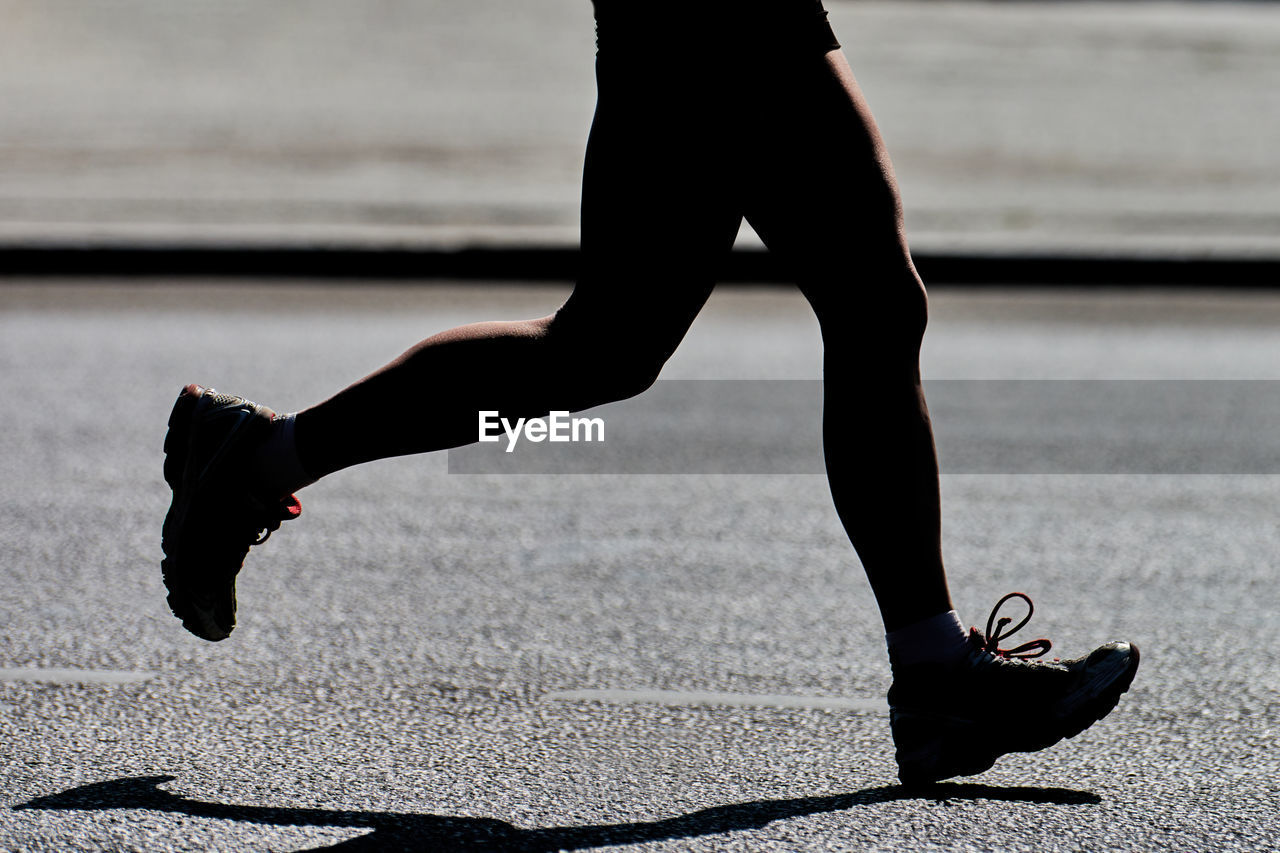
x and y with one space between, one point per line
659 211
824 195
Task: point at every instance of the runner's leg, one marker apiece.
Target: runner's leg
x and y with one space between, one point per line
826 200
655 223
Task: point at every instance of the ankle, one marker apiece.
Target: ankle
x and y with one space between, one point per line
939 639
278 471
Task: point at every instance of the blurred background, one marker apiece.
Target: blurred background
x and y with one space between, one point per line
404 651
1140 127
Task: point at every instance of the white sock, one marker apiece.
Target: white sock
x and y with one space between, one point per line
280 472
938 639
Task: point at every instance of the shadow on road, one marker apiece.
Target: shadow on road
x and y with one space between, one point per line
433 832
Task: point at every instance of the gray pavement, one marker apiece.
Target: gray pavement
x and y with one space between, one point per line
409 668
1093 127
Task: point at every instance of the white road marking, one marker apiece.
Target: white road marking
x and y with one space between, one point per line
76 676
759 700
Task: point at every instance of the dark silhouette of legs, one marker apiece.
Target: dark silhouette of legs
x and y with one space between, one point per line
655 223
707 113
827 202
680 150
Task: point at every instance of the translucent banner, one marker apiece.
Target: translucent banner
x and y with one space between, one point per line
981 427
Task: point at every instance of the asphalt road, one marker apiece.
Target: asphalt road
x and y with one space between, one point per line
430 661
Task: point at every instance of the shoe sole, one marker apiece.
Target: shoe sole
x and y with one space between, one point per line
1089 712
177 449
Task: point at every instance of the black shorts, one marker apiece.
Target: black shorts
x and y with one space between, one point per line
728 27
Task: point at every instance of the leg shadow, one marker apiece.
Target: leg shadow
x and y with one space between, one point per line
408 831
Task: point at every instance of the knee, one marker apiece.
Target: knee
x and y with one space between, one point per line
616 372
885 311
909 309
627 375
604 364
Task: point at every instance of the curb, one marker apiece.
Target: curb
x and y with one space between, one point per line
542 264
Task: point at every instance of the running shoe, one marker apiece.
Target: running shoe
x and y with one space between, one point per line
956 720
215 517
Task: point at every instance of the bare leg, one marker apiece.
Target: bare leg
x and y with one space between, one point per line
655 224
820 192
828 203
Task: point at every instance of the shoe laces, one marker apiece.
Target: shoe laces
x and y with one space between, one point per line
996 632
264 525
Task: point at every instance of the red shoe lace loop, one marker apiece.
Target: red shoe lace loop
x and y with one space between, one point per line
991 642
